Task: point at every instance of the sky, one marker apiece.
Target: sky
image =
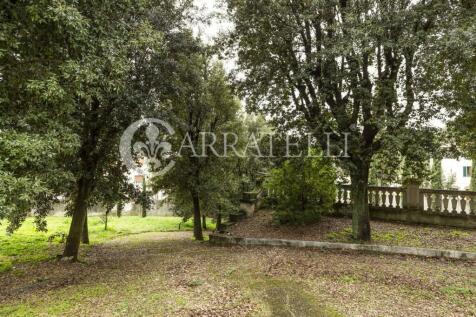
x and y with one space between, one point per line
217 24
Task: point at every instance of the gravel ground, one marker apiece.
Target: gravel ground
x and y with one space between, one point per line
339 230
169 274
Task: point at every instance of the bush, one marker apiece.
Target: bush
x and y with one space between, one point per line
303 189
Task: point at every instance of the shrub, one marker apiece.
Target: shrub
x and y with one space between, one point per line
303 189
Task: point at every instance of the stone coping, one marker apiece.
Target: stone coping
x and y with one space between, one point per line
222 239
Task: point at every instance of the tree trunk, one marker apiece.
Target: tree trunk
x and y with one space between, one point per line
204 222
105 220
119 210
89 158
360 204
85 235
197 226
79 216
218 227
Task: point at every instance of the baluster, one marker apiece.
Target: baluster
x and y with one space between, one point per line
384 198
437 207
463 204
339 195
472 206
454 204
429 198
445 203
390 199
398 200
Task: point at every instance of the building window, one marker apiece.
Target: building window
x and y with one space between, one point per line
466 171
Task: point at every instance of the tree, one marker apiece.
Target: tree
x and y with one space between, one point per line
144 199
204 106
436 177
112 189
304 189
37 41
338 67
453 73
124 43
74 76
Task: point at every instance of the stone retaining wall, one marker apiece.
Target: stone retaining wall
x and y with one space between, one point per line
220 239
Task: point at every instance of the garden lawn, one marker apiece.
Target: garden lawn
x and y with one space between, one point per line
28 245
169 274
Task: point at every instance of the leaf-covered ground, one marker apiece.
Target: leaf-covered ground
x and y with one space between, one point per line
339 230
169 274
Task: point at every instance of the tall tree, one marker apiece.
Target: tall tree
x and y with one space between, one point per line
120 81
74 75
337 66
204 106
38 39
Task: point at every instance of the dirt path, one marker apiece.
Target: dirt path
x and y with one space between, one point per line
169 274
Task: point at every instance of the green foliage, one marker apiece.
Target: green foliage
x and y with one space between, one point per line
343 66
74 75
472 185
304 189
37 40
406 157
436 176
201 182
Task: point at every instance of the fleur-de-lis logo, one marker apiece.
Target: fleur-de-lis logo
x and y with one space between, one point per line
153 149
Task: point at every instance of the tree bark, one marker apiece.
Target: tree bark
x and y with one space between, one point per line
85 235
197 226
108 211
218 228
119 210
360 204
79 216
204 222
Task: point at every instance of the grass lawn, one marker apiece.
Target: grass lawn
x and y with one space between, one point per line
29 245
169 274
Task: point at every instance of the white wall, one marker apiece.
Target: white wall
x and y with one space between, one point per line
455 166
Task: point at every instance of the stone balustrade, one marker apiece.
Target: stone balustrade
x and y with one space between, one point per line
379 196
414 204
448 201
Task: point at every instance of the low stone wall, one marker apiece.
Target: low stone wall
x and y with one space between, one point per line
413 216
220 239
